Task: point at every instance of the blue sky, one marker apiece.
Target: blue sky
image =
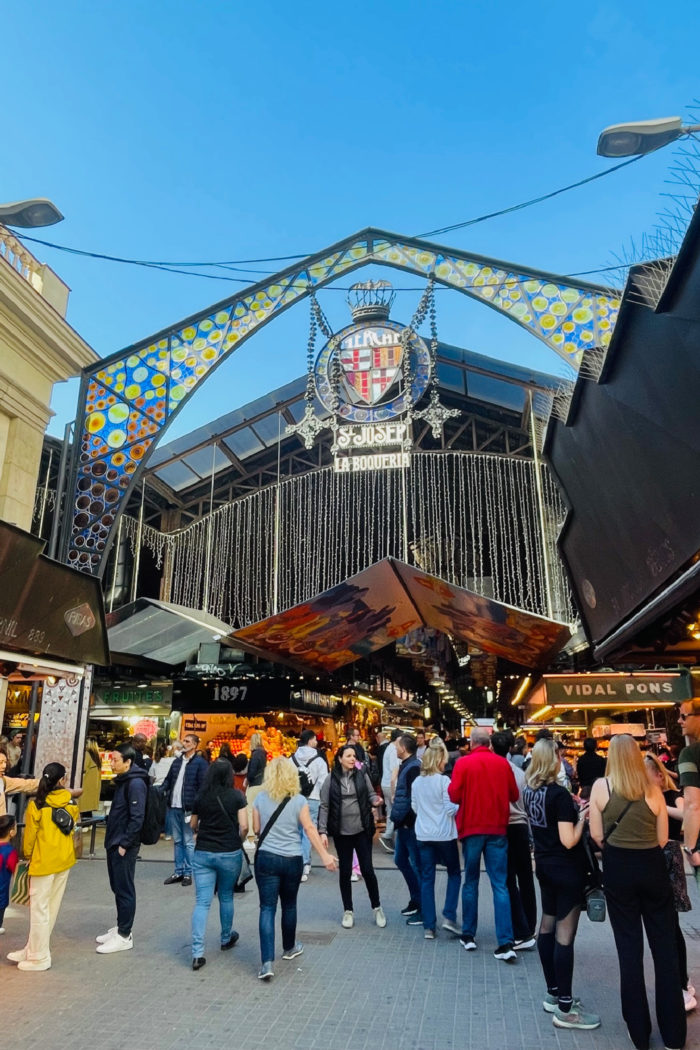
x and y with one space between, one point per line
181 131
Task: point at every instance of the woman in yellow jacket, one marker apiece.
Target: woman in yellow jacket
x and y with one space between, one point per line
51 856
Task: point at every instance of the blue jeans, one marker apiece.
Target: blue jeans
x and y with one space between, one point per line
183 842
277 876
495 851
314 806
430 854
213 871
407 861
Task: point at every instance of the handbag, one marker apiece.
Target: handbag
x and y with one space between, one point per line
245 874
19 894
595 897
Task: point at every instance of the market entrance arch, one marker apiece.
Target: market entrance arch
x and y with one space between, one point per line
128 400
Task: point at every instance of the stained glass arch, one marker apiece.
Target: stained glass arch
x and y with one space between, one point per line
127 400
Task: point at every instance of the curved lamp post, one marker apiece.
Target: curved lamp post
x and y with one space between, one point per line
644 136
39 211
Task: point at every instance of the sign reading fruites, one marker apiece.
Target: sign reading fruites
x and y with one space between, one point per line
625 688
376 440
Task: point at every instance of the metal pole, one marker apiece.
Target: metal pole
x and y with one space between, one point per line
137 557
116 562
276 548
46 492
210 529
60 486
540 508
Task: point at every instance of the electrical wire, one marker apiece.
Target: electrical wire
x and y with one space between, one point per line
533 200
237 264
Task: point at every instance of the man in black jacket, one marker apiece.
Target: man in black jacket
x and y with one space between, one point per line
182 785
590 767
404 819
122 840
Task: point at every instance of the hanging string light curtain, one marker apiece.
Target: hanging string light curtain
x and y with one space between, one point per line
472 520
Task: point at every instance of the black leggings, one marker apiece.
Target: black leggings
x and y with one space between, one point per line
362 845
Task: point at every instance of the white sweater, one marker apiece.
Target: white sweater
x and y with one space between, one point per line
435 813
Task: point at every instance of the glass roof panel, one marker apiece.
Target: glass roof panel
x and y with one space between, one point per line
451 378
177 476
270 428
506 395
243 443
201 460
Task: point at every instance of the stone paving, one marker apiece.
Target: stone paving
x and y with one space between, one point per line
351 989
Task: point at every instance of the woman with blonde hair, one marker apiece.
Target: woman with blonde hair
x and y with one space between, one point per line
629 821
280 812
560 865
659 775
436 836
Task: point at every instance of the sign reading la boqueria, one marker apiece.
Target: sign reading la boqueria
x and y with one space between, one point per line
576 690
374 440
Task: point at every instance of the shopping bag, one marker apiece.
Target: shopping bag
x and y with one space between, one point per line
78 841
19 893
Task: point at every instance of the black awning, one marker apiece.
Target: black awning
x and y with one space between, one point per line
48 609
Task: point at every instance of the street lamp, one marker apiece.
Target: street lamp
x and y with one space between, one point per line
36 212
644 136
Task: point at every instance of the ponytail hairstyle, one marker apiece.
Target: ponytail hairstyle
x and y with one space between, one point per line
52 775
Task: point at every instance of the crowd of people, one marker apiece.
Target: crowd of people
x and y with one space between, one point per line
499 801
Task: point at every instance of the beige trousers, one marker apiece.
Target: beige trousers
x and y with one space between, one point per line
45 896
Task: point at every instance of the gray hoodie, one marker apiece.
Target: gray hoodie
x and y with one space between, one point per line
315 767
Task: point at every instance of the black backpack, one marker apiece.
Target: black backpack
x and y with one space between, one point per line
306 784
154 815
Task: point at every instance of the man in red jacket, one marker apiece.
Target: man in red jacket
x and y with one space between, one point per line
484 786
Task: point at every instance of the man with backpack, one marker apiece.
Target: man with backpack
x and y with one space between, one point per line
122 841
312 771
181 787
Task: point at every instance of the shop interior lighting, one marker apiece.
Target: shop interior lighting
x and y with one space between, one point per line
541 713
635 705
522 689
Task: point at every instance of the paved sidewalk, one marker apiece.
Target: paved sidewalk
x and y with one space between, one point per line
359 989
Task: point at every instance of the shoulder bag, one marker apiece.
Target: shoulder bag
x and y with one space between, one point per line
595 897
245 874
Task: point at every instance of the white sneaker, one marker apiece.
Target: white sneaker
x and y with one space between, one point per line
2 930
34 964
380 917
104 937
348 920
305 873
354 877
116 943
17 957
689 1000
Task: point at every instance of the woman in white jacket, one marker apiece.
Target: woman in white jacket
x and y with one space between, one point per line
436 834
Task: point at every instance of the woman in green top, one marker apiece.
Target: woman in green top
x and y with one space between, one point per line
629 821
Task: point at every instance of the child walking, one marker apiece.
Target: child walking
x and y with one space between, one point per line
8 862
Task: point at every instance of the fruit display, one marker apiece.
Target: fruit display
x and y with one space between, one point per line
275 742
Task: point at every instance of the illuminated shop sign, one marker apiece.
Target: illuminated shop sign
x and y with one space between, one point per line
374 440
622 688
